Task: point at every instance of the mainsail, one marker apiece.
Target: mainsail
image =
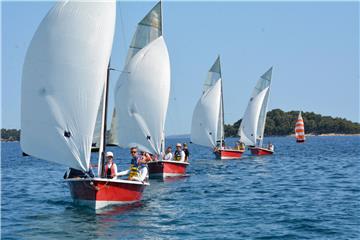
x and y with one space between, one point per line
253 123
142 91
300 129
207 122
63 79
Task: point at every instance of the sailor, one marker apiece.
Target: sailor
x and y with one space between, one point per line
271 147
168 154
138 170
179 154
240 146
186 151
237 145
110 167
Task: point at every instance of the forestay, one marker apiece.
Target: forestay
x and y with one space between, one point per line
142 91
63 78
207 121
253 123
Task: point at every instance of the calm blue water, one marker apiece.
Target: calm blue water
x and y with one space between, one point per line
304 191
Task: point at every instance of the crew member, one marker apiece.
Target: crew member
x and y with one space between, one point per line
237 145
138 168
271 147
186 151
240 146
168 154
179 154
110 167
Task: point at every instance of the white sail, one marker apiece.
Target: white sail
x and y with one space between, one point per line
264 82
253 123
207 120
142 91
63 78
113 130
148 29
97 130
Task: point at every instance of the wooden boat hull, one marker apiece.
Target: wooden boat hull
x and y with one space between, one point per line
258 151
228 154
98 193
164 169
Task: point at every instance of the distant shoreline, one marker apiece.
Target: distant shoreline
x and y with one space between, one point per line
182 136
328 135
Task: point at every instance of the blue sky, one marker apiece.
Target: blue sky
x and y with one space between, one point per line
314 48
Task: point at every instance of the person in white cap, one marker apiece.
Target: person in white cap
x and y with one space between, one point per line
168 154
110 167
179 154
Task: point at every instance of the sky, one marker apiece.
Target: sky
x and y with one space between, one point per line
313 47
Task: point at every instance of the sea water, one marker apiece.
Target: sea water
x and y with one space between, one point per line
303 191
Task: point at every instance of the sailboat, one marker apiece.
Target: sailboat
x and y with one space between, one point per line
142 93
207 128
251 130
300 129
65 75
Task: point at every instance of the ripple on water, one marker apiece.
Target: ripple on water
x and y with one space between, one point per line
304 191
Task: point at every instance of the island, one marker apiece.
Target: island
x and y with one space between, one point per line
280 123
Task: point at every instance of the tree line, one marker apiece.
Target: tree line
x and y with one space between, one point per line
280 123
10 134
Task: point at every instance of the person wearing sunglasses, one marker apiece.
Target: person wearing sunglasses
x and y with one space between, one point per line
138 167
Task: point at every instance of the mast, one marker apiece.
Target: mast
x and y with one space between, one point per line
222 106
102 147
162 147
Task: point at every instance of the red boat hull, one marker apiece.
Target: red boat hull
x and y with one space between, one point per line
97 193
258 151
163 169
228 154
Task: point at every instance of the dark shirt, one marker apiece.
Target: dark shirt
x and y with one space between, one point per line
186 151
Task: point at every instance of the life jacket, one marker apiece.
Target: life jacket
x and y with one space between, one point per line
242 146
134 171
134 167
110 172
177 155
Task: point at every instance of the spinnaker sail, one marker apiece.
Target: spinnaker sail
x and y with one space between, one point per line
63 79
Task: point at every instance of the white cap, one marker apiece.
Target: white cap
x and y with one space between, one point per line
109 154
178 145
